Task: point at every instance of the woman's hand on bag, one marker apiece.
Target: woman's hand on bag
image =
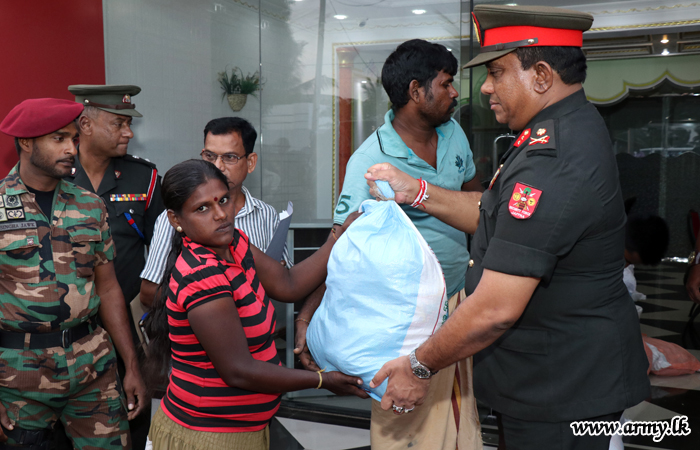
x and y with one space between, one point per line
300 347
341 384
405 187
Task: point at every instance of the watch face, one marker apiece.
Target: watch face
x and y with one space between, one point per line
421 372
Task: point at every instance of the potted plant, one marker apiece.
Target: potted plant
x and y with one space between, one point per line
236 87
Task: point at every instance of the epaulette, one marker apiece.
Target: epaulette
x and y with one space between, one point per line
138 159
542 140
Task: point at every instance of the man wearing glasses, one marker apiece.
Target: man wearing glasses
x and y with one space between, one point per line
228 144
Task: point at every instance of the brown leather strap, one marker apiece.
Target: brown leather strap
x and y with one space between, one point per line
102 105
507 45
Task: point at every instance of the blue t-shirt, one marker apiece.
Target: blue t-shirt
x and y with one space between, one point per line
455 166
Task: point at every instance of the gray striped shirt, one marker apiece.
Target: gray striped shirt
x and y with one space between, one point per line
256 219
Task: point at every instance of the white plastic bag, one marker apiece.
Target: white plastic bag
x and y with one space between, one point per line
385 295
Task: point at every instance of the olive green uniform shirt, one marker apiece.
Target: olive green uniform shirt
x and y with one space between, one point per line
47 265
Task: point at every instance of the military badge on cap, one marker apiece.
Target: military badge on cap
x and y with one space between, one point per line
523 201
126 99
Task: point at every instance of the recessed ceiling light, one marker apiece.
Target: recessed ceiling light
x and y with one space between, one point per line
340 17
664 40
363 81
418 11
665 52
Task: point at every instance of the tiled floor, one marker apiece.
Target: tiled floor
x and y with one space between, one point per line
665 316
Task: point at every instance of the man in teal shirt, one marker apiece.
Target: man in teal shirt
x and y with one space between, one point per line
420 137
454 167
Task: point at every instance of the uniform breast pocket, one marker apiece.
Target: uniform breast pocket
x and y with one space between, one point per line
83 243
19 256
128 214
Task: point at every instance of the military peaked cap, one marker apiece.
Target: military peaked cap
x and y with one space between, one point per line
115 98
502 29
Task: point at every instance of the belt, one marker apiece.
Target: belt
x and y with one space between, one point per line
25 438
64 338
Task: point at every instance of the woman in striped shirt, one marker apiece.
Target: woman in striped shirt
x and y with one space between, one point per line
213 323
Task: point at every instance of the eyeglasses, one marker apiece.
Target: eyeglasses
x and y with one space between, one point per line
230 159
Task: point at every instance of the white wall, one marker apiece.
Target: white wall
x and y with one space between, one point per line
174 49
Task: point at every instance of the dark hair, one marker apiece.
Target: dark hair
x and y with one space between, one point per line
18 147
647 235
227 125
414 60
568 62
178 185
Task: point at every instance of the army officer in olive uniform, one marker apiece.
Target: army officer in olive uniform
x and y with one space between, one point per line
130 186
553 331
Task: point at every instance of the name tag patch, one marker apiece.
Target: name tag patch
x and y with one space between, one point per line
523 201
30 224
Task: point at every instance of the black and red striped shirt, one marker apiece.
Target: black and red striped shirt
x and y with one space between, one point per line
197 398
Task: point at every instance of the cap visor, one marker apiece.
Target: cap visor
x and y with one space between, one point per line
483 58
122 112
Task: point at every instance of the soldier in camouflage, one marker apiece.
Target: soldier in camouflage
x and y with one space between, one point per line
56 275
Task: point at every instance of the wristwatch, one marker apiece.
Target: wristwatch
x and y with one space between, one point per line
693 258
419 369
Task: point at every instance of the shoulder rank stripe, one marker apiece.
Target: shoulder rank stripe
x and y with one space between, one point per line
128 197
151 187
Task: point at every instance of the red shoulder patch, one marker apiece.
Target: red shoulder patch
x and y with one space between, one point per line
524 135
523 201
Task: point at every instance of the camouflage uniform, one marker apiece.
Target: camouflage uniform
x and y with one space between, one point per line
47 284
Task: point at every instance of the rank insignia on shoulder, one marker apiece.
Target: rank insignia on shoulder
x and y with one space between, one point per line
541 140
12 201
14 214
524 135
523 201
541 132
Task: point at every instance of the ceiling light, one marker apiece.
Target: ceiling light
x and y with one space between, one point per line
664 40
418 11
340 17
363 81
665 52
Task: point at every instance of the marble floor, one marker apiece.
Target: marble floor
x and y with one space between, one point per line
334 423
